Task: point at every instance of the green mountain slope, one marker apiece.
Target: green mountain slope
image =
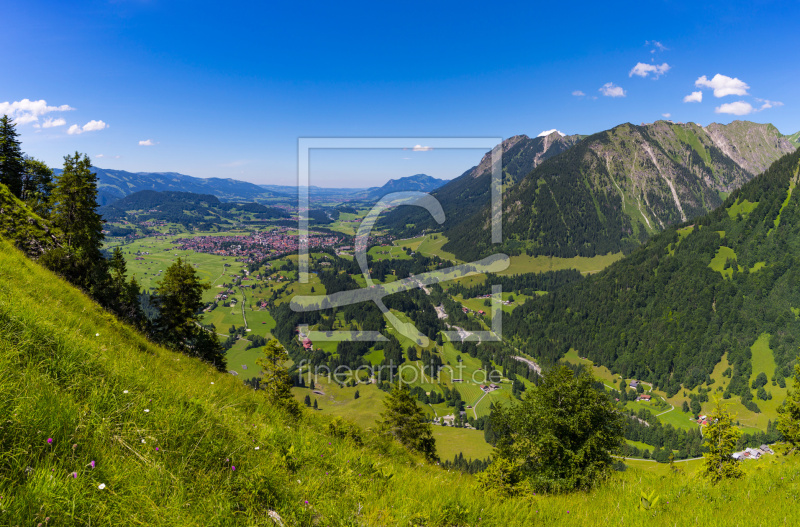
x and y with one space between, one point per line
794 138
614 189
668 312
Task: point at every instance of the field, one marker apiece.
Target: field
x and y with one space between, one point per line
161 253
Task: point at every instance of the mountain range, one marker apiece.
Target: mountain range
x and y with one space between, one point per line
115 184
608 192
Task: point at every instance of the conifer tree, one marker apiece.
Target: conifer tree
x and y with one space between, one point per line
75 213
180 299
275 379
180 296
123 296
307 401
315 405
789 413
721 436
12 164
37 186
405 421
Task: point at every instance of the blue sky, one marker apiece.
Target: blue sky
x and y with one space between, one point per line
223 89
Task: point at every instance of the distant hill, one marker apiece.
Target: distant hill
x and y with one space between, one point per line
465 195
417 182
116 184
184 207
613 190
794 138
316 193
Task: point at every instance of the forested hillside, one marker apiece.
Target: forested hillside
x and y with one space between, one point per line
668 312
616 188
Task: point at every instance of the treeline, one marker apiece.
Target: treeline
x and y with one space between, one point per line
468 466
69 206
525 284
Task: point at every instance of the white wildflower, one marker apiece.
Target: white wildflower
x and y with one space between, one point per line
101 486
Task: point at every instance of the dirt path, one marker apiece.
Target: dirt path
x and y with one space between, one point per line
475 406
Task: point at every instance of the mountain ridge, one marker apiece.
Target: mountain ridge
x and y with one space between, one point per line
614 189
417 182
115 184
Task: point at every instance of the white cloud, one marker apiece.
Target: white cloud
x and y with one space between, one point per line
643 70
609 90
548 132
735 108
578 93
766 104
148 142
27 111
666 115
420 148
100 155
723 85
52 123
657 46
91 126
695 96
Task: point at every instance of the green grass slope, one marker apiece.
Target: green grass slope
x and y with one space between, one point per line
144 436
25 228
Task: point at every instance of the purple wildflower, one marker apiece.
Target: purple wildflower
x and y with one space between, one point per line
74 475
233 468
92 463
49 440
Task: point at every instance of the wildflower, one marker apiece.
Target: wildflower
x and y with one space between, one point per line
74 475
49 440
97 334
156 449
143 441
92 463
257 448
306 502
147 410
212 383
124 391
101 486
233 467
